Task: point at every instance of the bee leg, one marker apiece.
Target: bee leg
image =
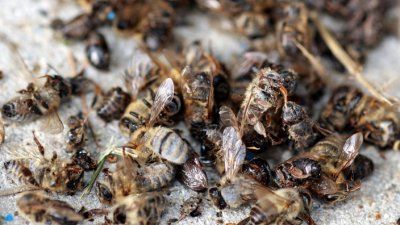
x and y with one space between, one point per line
39 145
307 218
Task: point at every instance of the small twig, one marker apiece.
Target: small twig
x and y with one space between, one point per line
352 66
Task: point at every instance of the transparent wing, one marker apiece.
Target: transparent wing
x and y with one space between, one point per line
23 153
164 95
351 148
51 123
234 151
138 71
228 117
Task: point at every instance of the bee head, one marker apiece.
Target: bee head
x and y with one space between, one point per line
59 84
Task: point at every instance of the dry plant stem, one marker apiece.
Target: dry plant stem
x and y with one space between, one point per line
2 132
353 67
17 190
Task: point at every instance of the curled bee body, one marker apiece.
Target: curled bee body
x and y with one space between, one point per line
145 208
280 206
132 178
97 51
351 110
296 172
335 154
264 97
298 125
76 134
40 209
113 104
259 170
54 175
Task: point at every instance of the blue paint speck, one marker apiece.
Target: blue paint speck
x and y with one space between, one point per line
9 217
111 15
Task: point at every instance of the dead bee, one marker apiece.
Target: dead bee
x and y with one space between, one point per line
97 51
160 141
293 29
335 153
145 208
84 160
157 24
76 134
54 175
351 110
296 172
78 28
259 170
193 175
40 209
132 178
35 102
112 104
263 98
298 125
216 197
252 24
190 207
361 168
280 206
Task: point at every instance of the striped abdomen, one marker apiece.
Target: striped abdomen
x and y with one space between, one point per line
156 176
136 115
113 105
168 144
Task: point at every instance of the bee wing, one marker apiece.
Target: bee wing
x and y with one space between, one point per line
135 75
228 117
266 196
351 148
164 95
51 123
21 65
19 153
234 151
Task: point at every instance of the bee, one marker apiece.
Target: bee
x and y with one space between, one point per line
78 28
112 104
193 174
54 175
361 168
335 153
84 160
299 125
76 135
37 102
145 208
40 209
259 170
160 141
351 110
280 206
293 29
142 73
97 51
263 98
132 178
252 24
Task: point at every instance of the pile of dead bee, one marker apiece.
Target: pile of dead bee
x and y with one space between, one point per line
238 115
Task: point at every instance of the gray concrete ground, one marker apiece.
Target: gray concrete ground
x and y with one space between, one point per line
27 23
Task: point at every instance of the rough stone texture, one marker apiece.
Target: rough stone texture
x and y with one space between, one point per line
26 23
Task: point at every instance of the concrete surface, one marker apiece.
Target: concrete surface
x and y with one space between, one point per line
26 22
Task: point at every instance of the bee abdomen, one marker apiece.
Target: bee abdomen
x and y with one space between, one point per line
170 146
114 105
257 216
157 175
21 110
